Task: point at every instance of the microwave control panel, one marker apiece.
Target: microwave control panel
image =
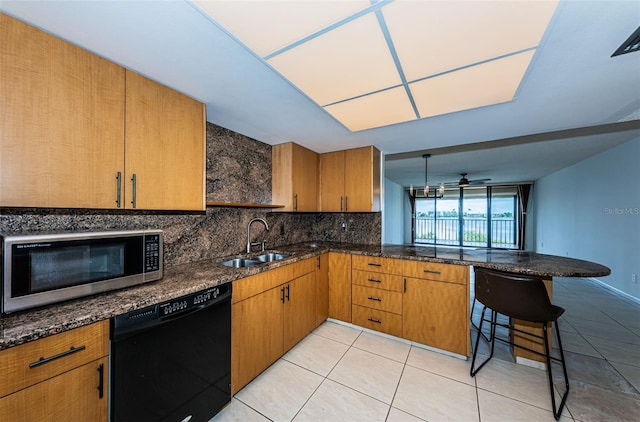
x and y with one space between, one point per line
151 252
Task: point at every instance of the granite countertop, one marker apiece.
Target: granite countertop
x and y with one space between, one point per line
184 279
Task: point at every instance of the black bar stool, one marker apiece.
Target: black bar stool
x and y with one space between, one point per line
523 298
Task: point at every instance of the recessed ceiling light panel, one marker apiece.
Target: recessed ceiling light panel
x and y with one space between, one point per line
476 86
268 25
380 109
344 63
432 37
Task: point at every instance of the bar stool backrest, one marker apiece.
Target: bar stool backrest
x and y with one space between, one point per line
518 297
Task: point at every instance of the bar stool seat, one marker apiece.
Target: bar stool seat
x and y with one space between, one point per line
523 298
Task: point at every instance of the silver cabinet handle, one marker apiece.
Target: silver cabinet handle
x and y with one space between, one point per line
119 189
42 361
295 206
371 264
133 189
377 299
341 198
346 204
377 321
373 280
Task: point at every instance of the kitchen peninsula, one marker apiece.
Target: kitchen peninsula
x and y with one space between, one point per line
183 279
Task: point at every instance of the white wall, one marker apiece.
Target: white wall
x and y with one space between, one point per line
393 215
591 211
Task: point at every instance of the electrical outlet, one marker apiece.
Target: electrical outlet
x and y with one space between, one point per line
634 279
343 226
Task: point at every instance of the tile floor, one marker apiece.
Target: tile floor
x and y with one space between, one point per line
339 373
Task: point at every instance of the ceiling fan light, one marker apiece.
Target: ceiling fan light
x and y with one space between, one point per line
464 182
441 189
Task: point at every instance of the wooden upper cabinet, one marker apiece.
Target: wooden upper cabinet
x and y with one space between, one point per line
295 177
332 181
63 134
350 180
61 122
362 179
165 148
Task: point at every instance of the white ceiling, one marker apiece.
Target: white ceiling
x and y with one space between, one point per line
572 83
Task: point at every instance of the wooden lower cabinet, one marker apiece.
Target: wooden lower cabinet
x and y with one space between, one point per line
256 336
267 324
71 396
299 313
72 385
420 301
321 300
436 313
340 286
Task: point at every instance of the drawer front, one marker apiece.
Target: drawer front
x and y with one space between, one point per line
23 365
246 287
383 300
439 272
377 280
374 319
377 264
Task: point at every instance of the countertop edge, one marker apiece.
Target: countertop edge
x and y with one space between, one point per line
180 280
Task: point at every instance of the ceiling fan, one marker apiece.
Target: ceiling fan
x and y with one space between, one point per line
464 182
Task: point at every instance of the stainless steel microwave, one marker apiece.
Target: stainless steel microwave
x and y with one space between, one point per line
42 269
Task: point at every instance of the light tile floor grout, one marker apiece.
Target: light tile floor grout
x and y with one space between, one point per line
434 386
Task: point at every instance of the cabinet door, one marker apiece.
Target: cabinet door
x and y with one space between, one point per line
321 302
61 122
165 147
305 179
362 179
71 396
256 336
294 177
299 314
436 314
332 181
340 286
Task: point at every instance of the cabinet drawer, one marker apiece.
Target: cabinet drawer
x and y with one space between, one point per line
377 264
438 272
90 342
377 280
250 286
374 319
383 300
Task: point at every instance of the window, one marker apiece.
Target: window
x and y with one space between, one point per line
476 216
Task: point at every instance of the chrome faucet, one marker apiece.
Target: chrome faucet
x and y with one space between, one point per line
249 244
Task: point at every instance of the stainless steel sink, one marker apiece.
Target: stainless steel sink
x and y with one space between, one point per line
270 257
254 260
240 262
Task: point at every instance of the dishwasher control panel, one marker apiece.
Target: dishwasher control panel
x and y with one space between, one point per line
199 299
172 308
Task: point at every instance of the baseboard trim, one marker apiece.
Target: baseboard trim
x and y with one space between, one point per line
615 290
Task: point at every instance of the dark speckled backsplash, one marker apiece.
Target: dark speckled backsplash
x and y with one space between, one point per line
238 170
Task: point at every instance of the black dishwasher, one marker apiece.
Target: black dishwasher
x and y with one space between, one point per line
172 361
